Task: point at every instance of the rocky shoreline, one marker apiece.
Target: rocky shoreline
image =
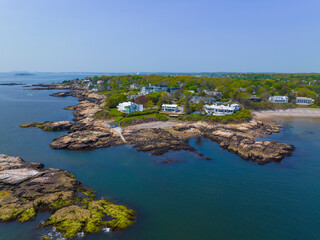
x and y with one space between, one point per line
88 133
11 84
28 188
49 126
55 86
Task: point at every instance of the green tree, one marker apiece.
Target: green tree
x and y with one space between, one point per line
165 98
154 97
177 94
304 92
265 96
114 100
187 106
317 101
199 106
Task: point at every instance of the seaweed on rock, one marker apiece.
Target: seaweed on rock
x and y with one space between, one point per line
28 188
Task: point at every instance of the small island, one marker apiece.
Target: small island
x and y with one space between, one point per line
11 84
22 74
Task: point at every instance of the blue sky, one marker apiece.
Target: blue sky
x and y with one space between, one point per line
162 35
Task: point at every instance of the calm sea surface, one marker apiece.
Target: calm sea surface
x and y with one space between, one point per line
226 198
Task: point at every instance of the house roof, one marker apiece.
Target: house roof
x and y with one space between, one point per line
306 98
170 105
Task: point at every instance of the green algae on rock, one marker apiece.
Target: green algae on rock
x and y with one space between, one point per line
29 188
31 124
46 238
89 218
72 108
49 126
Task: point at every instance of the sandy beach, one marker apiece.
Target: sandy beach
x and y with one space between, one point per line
297 112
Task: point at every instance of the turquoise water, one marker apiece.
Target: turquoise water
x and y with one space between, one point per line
226 198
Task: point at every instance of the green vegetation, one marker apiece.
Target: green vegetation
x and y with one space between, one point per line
142 119
317 101
90 218
126 119
266 105
142 113
48 126
4 195
305 84
115 99
113 112
234 87
31 124
46 238
20 213
238 117
70 108
27 215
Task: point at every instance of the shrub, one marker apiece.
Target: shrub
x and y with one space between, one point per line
126 121
145 112
238 117
266 105
114 100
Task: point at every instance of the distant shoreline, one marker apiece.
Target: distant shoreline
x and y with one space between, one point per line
11 84
297 112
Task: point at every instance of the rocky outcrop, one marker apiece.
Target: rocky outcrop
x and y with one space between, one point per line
53 86
240 139
29 188
82 96
49 126
156 140
86 140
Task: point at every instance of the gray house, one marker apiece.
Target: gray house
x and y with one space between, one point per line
206 100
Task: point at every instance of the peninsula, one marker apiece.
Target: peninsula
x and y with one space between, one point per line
159 133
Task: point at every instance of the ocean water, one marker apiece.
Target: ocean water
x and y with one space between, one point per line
225 198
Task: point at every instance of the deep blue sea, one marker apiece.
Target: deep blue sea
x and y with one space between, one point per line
223 199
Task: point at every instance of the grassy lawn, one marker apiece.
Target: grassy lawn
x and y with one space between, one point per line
126 121
115 113
309 106
238 117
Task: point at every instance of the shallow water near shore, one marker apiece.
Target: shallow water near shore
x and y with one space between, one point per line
225 198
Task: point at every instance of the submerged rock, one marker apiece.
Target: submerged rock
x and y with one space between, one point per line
29 188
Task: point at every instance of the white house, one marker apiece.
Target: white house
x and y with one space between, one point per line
278 99
170 108
221 110
304 101
129 107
